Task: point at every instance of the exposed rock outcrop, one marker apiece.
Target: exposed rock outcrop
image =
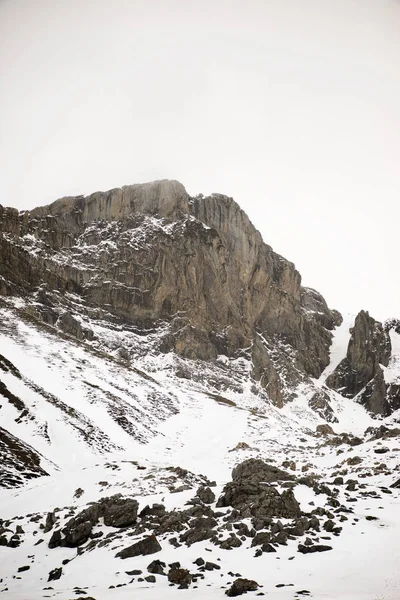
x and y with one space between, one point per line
116 511
360 373
252 495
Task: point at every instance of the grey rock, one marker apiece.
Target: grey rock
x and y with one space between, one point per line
242 586
157 567
264 537
55 574
250 492
148 545
213 266
180 577
50 521
55 540
312 549
77 534
268 548
369 347
120 512
324 429
205 494
210 566
231 542
24 568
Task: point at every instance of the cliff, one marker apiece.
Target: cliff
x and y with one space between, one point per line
195 268
361 374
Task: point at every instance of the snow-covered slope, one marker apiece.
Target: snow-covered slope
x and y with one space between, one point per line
70 402
101 426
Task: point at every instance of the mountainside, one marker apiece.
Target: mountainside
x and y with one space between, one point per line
151 342
193 270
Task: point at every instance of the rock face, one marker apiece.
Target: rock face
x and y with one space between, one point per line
360 373
252 495
116 511
242 586
148 545
154 256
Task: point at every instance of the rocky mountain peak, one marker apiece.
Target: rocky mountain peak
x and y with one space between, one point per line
165 198
129 307
194 269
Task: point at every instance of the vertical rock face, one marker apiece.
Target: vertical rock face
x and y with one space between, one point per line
361 370
151 255
165 199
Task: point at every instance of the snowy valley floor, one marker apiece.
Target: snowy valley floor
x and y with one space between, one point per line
362 565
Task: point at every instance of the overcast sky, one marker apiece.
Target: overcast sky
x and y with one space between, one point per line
290 106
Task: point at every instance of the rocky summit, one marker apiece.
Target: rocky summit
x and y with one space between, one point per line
168 387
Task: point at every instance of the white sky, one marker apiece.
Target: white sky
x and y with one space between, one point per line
292 107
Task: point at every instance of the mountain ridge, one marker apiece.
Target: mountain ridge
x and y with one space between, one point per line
151 253
167 385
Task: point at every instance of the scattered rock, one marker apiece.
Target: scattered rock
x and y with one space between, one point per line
311 549
210 566
120 512
157 567
250 493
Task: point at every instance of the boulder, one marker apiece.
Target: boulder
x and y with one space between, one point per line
157 567
55 540
147 545
250 493
242 586
50 521
324 429
205 494
312 549
76 534
55 574
257 470
116 511
180 577
120 512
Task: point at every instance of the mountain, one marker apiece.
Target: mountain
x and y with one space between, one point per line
167 385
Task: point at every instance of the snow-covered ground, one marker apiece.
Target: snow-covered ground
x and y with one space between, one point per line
74 396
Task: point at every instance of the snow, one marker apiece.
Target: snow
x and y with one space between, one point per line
339 344
212 431
392 371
